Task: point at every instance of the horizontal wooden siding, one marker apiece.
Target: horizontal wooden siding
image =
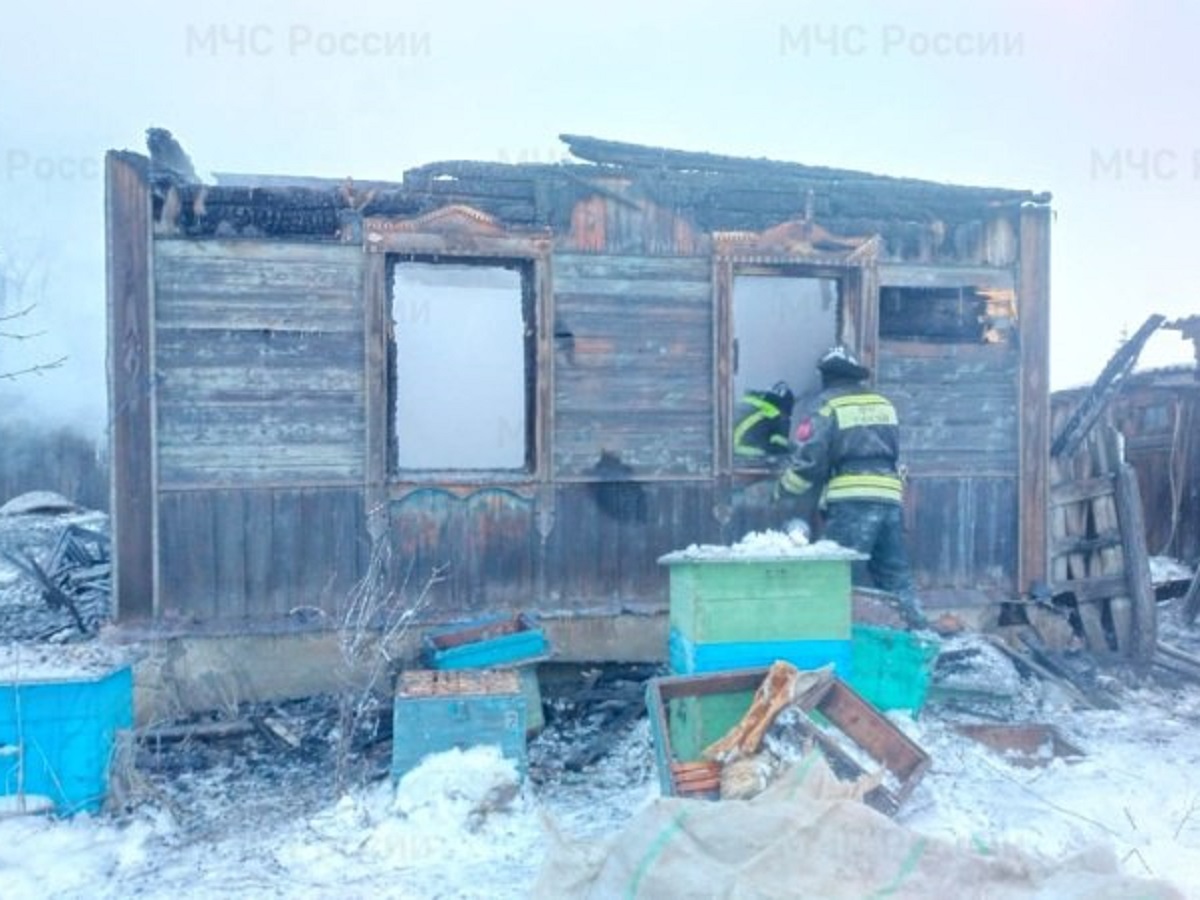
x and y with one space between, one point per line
259 363
633 368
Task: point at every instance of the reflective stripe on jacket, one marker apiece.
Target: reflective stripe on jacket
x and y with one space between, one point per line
762 429
851 445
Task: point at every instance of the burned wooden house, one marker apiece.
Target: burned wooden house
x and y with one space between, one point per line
527 374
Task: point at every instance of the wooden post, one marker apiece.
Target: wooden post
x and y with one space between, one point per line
377 328
1110 560
1083 565
131 384
1033 298
1137 565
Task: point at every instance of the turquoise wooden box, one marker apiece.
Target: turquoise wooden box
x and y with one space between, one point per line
494 642
688 657
436 711
57 738
893 668
491 641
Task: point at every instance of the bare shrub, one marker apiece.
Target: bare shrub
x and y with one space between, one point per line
373 623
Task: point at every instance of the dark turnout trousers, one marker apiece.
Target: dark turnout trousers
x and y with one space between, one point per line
876 529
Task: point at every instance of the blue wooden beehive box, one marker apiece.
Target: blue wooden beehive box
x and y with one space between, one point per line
57 737
436 711
500 641
487 642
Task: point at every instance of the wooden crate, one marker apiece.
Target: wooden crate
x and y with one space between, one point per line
487 642
844 725
435 711
743 599
695 722
494 642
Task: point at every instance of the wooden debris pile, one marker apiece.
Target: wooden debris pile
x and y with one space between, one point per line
72 581
1173 659
1028 745
1099 563
1101 595
589 714
283 732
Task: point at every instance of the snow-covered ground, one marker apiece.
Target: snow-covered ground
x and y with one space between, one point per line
455 827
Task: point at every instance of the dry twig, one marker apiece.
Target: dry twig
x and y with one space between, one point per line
374 618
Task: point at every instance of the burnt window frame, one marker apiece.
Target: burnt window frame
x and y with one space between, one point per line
525 269
442 237
793 271
855 275
896 322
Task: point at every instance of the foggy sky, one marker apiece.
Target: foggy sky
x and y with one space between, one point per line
1092 101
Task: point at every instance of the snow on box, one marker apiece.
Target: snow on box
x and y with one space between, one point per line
30 662
770 586
763 545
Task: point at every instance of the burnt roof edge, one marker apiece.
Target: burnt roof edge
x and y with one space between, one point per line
619 154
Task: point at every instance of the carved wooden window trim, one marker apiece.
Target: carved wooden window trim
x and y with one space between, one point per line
448 235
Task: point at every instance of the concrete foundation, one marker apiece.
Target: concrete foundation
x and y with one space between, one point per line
178 674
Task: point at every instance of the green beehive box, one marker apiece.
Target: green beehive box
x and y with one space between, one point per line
739 599
696 722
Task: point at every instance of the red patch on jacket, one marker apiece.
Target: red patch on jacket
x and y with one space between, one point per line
804 430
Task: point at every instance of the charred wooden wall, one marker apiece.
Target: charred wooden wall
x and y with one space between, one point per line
267 454
259 425
627 474
259 363
958 410
243 554
633 366
580 549
1161 428
952 364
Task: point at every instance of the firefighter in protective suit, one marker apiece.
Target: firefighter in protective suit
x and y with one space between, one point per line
848 446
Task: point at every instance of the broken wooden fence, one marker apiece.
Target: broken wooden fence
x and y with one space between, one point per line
1098 547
